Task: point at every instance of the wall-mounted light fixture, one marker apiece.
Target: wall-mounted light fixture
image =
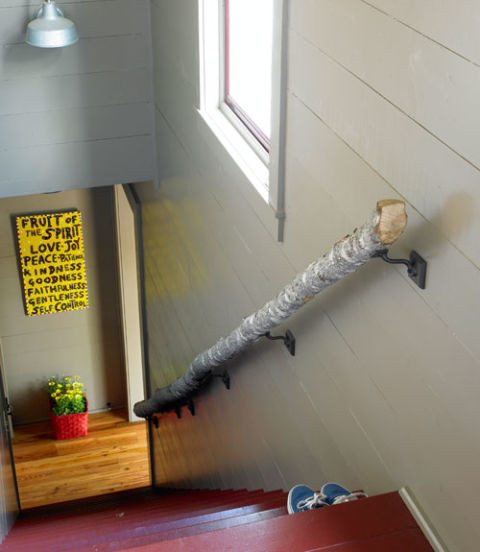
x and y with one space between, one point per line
50 29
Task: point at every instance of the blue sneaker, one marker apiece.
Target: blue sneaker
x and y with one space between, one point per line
332 493
302 498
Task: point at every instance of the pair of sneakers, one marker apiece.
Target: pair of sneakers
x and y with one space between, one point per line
302 498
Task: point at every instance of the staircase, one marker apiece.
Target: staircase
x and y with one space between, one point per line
205 520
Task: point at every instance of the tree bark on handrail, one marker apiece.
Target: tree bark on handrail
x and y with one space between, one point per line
347 255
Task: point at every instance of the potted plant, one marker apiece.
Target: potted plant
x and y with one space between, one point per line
68 407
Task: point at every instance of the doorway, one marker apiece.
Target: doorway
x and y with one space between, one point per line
9 497
94 343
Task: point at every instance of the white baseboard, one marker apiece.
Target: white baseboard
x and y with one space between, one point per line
420 518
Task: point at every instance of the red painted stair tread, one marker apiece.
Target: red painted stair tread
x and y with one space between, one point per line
216 520
164 506
151 530
62 527
86 528
314 530
134 542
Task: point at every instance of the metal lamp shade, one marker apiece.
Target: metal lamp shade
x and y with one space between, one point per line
50 29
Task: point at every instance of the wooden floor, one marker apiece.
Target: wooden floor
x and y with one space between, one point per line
112 457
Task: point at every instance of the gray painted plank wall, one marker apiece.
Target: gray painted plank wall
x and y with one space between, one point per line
80 116
383 392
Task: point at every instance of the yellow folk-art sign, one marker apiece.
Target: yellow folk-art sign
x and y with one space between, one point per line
53 262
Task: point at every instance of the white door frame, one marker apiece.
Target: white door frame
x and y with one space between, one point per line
127 261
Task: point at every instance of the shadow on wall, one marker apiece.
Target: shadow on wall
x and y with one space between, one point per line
457 215
15 33
108 298
21 59
33 393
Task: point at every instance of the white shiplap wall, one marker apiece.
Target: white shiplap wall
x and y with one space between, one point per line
383 392
80 116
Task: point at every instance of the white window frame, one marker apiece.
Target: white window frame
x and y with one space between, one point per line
264 171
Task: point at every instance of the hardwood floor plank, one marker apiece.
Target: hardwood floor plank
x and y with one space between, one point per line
112 457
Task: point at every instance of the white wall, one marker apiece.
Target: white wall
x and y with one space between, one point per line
80 116
85 342
383 392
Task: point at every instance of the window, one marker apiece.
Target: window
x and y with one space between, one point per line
243 86
248 65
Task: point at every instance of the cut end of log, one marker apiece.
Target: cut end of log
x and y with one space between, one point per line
392 219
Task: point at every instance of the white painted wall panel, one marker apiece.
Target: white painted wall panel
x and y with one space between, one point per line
83 165
431 84
115 53
398 148
74 91
454 26
74 125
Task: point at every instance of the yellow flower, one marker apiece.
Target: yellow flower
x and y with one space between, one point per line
53 395
68 379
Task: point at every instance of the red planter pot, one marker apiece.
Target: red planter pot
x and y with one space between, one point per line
69 426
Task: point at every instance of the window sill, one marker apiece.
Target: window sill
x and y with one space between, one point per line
241 152
239 174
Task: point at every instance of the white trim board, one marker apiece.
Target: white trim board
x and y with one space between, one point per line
424 524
